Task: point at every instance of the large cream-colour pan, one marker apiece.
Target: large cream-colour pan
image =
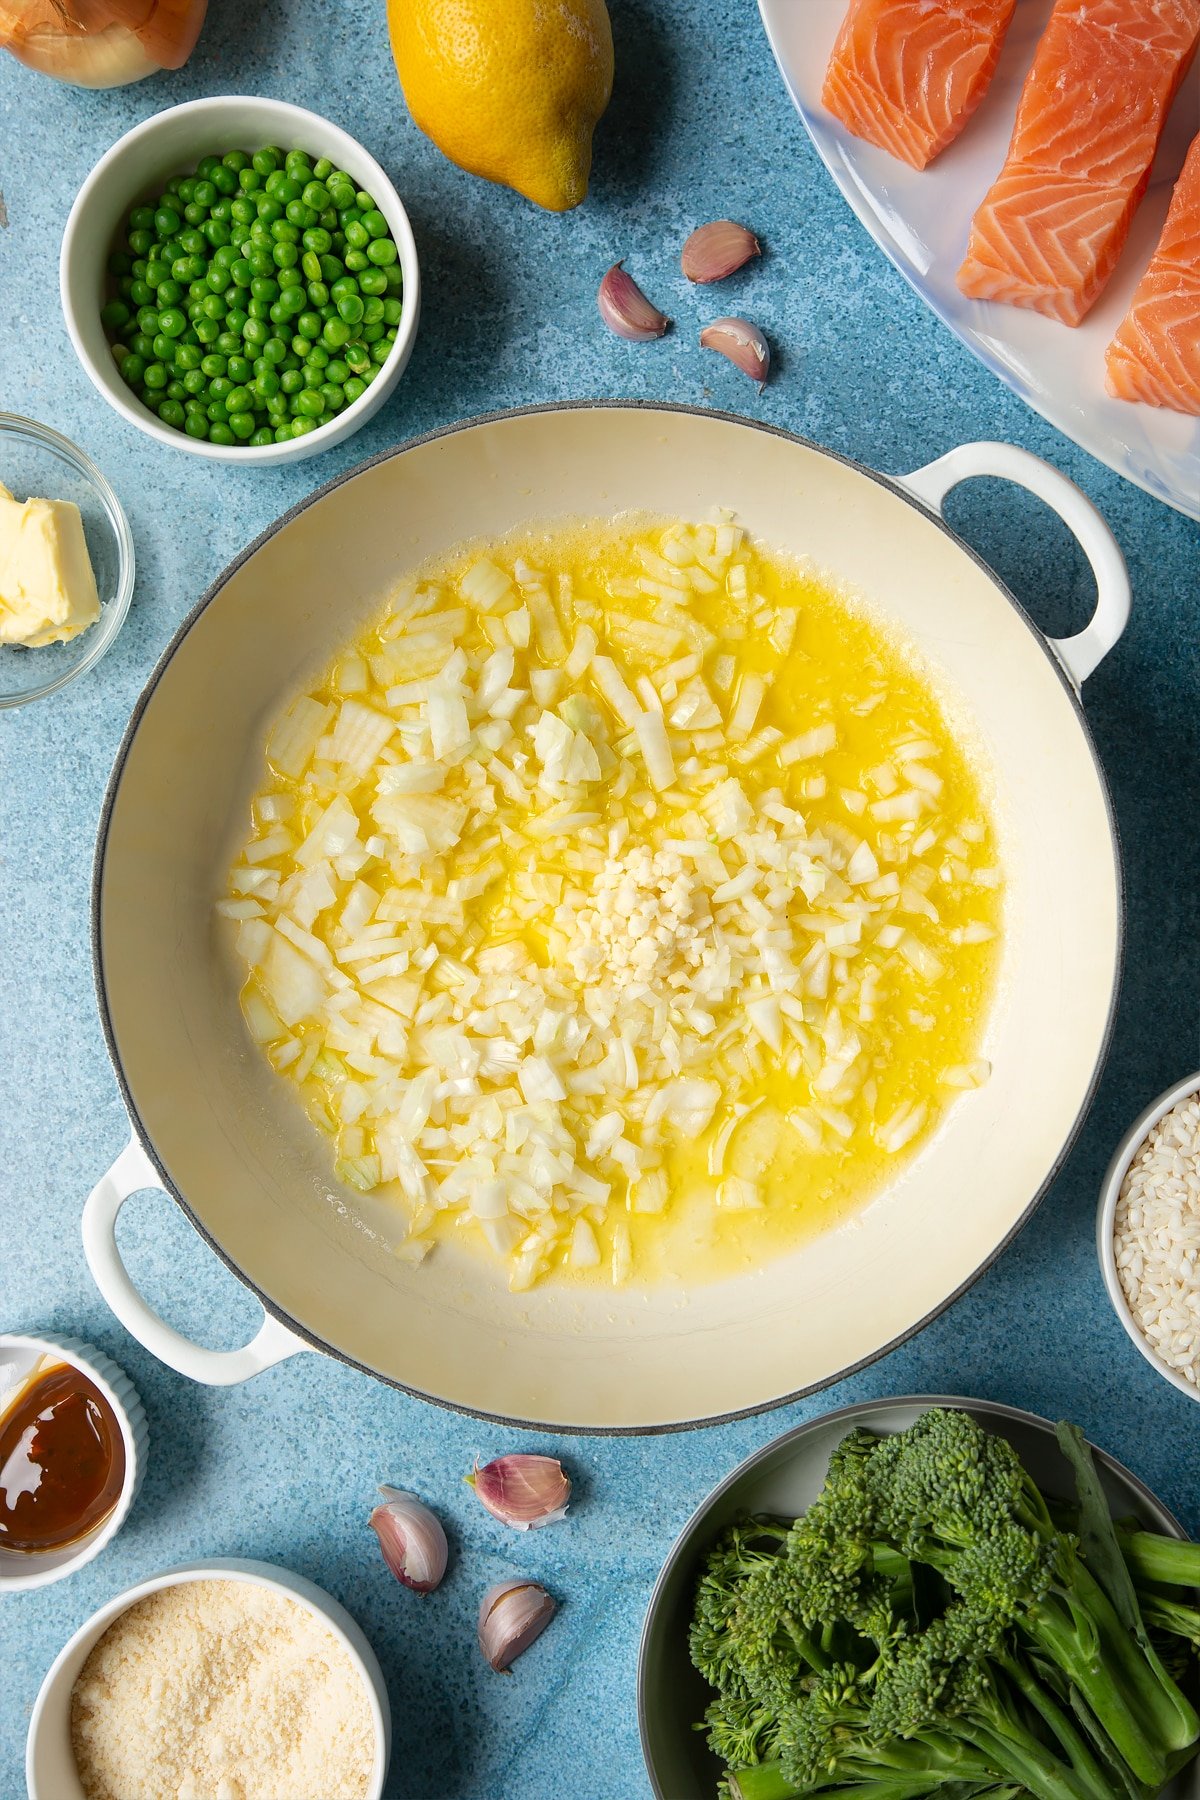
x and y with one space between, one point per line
213 1124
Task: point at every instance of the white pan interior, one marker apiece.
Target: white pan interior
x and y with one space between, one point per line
234 1144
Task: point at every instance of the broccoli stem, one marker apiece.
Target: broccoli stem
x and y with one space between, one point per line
1036 1695
1162 1613
1152 1557
766 1781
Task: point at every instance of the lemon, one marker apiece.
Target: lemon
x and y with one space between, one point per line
511 92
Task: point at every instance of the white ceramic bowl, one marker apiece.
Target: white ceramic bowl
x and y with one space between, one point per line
172 143
1110 1191
50 1772
19 1356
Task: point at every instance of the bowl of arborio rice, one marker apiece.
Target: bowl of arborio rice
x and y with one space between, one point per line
230 1677
1148 1234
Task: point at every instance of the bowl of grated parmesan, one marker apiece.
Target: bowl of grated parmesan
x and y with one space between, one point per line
235 1679
1148 1234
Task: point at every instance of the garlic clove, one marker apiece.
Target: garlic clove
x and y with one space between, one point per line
744 345
626 310
523 1491
511 1615
717 250
411 1538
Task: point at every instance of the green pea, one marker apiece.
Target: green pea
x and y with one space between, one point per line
196 382
242 273
381 351
176 390
189 268
310 263
218 279
333 396
239 235
302 427
187 356
309 325
373 281
196 425
357 235
222 211
318 294
266 384
142 218
336 332
358 357
139 343
258 309
163 347
193 243
270 210
289 278
392 310
114 315
288 189
216 232
357 261
141 293
236 317
219 433
286 256
217 412
249 180
156 375
256 331
291 381
263 288
337 369
224 180
301 217
207 330
243 212
172 413
263 436
329 219
309 404
280 314
172 323
371 334
382 251
278 407
238 400
341 190
297 159
133 368
220 387
317 360
375 222
266 161
275 350
229 343
170 292
350 309
239 369
395 277
318 240
193 214
284 232
140 242
300 346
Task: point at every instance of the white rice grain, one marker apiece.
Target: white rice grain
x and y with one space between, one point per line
1156 1239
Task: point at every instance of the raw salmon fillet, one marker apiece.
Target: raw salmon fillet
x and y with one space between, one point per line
908 74
1155 355
1050 231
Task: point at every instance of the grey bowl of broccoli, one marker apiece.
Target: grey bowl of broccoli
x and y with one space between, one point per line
925 1596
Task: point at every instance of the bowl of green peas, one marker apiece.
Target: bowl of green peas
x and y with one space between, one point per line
239 279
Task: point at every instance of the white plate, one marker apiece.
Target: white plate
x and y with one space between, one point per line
921 219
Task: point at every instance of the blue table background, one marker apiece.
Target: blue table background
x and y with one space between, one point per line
285 1467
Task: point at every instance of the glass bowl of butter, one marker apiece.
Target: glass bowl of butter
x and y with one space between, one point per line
66 562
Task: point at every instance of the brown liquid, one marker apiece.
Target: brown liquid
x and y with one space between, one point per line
62 1461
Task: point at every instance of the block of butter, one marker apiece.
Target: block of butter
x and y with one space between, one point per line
47 585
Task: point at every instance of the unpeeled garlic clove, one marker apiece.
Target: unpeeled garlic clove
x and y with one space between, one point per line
523 1491
626 310
411 1538
511 1615
744 345
717 250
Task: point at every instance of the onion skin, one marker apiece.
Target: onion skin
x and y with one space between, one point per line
412 1540
717 250
626 310
511 1615
523 1491
743 344
101 43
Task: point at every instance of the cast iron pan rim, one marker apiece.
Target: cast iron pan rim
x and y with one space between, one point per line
684 1546
139 1127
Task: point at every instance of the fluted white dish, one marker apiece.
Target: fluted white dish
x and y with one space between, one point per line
19 1356
921 218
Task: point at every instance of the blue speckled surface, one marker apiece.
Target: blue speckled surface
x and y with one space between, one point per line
285 1467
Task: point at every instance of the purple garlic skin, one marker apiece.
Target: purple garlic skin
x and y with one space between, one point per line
523 1491
511 1615
412 1540
717 250
743 344
626 310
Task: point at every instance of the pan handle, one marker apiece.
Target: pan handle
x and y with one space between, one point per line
130 1174
1082 654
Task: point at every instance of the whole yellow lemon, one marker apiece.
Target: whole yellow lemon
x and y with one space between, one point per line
508 89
